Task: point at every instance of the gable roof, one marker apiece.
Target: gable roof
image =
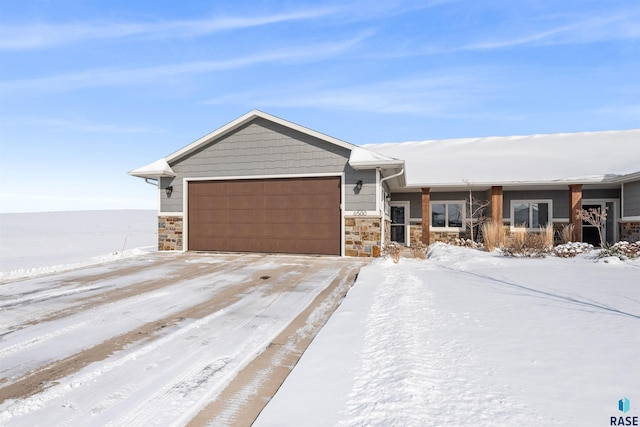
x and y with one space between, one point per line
241 121
562 158
162 168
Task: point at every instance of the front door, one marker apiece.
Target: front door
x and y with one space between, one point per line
590 232
399 226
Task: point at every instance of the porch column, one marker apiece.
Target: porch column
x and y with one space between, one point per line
496 204
575 206
426 215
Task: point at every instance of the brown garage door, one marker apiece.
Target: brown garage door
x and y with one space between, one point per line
291 215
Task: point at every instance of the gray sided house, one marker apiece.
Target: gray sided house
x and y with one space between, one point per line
263 184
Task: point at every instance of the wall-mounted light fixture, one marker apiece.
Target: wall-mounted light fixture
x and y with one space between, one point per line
169 190
358 186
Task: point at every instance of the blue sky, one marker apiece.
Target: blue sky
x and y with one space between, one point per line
92 89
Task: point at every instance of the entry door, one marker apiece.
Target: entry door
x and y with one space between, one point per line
590 232
399 222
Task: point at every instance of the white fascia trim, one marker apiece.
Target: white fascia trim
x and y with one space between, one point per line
386 164
231 126
171 213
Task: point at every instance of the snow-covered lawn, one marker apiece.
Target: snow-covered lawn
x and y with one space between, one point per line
48 242
468 338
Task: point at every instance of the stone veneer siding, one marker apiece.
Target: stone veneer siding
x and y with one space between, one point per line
630 231
362 236
415 235
170 233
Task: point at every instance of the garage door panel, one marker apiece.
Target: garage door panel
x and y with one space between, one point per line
292 215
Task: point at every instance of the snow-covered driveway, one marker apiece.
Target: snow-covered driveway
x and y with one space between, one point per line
155 340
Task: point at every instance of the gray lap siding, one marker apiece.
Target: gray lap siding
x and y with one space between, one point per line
631 199
264 148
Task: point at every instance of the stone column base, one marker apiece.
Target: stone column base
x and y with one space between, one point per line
362 236
170 233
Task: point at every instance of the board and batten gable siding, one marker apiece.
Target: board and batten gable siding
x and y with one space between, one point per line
263 148
631 199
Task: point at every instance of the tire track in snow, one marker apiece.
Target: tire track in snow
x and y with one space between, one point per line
272 304
76 335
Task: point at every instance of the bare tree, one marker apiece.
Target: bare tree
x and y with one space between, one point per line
596 217
475 211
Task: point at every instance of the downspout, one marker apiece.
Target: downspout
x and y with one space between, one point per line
151 183
382 223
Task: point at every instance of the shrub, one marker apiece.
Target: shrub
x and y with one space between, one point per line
468 243
526 244
547 236
622 250
493 235
566 235
393 249
569 250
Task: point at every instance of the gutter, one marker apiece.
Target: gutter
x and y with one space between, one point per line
382 224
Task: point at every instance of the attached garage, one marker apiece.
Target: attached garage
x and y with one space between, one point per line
263 184
284 215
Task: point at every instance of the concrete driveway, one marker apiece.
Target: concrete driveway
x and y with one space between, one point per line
192 338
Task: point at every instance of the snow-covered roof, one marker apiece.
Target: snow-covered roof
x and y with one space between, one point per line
585 157
154 170
362 158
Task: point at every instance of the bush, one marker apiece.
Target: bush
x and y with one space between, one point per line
493 235
393 249
566 235
547 236
528 245
569 250
468 243
622 250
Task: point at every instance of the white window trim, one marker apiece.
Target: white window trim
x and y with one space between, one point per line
529 201
447 202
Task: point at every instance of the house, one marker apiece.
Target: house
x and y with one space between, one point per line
263 184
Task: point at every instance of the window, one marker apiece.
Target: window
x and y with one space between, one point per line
531 214
447 214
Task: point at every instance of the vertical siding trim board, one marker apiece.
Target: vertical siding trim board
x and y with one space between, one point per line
185 197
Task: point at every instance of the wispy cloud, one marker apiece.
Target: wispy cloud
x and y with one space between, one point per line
45 35
154 74
583 30
78 125
438 95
